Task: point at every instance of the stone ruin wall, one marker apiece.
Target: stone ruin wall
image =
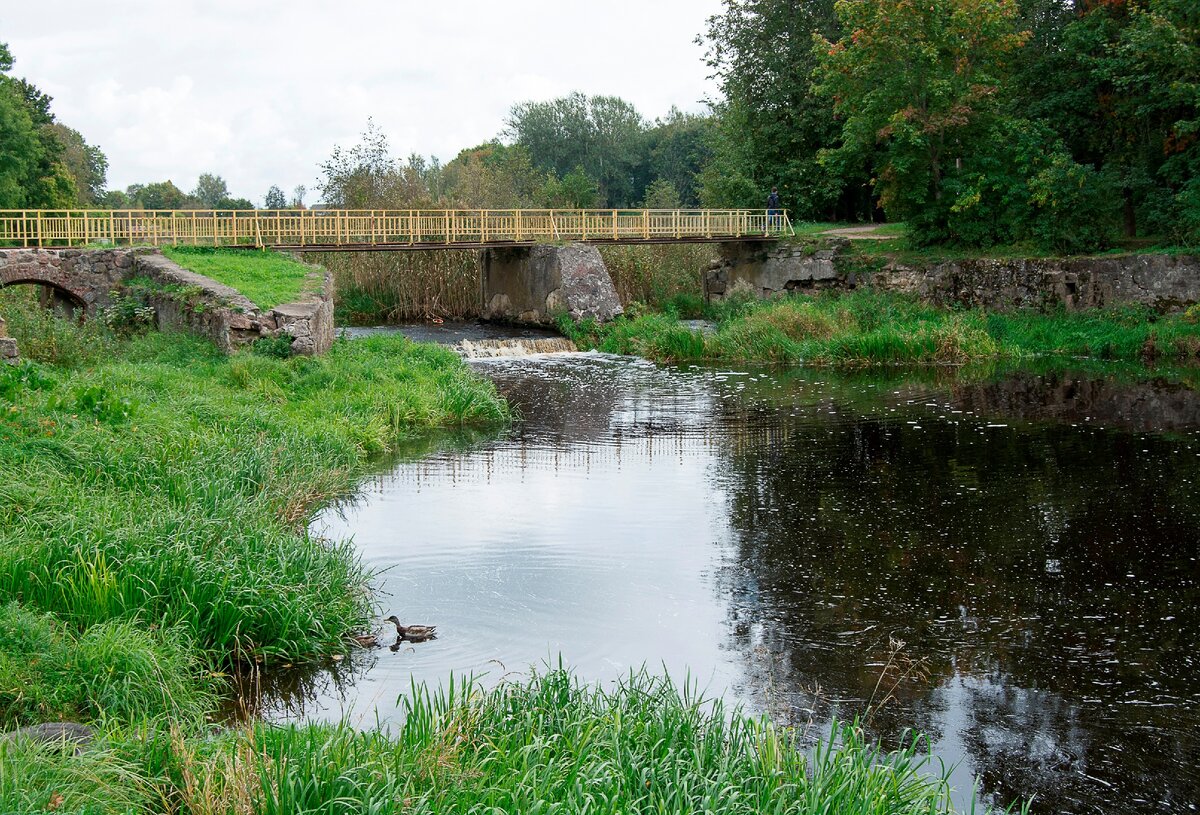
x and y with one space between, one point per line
181 299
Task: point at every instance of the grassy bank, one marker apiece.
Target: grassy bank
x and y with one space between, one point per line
863 327
543 745
167 484
267 278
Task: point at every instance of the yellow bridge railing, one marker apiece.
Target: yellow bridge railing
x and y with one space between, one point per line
333 229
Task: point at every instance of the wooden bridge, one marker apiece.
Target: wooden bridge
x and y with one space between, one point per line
326 230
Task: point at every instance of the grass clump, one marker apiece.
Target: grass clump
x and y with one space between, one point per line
267 278
864 327
116 671
553 744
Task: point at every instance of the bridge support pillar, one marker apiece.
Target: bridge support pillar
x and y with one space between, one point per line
764 270
536 284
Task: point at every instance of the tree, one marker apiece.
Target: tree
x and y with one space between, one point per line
680 145
211 191
493 176
159 195
32 173
770 124
86 164
662 194
575 190
916 80
602 135
274 198
298 196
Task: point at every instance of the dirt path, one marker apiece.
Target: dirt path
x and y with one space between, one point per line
866 232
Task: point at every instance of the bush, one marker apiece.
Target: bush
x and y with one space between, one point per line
127 315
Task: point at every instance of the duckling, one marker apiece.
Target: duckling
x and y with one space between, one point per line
413 633
365 640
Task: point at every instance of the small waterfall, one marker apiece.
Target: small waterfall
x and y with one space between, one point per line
515 347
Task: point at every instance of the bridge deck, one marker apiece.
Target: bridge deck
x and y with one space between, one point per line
383 230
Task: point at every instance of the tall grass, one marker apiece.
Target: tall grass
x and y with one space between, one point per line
658 275
168 485
553 744
389 287
116 670
863 327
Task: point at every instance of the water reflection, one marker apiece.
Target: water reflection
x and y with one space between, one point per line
1031 539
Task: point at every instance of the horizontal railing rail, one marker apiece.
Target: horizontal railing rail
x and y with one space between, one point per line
388 228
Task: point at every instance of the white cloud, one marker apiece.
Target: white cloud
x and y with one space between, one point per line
260 92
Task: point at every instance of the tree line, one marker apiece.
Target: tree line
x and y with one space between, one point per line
1061 124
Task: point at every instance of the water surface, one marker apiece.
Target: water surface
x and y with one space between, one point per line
1008 564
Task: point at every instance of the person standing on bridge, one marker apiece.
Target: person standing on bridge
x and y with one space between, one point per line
773 208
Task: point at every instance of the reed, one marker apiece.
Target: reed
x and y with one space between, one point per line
391 287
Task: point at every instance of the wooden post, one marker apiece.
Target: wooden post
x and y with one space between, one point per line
614 217
646 224
446 218
583 220
675 222
39 227
517 235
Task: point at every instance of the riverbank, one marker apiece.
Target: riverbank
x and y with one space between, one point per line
862 327
153 535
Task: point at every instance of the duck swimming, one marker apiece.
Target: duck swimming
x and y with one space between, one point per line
413 633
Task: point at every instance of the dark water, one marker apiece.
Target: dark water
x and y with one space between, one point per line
1031 539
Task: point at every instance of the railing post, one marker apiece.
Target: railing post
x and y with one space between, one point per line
517 234
675 222
25 228
300 213
646 224
112 227
39 228
583 219
614 217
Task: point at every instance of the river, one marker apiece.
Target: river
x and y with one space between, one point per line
1005 562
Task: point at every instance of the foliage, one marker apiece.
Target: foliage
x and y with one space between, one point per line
267 278
126 315
274 199
863 327
771 124
920 83
600 137
43 337
33 172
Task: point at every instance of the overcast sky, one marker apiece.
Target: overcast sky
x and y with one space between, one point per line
260 92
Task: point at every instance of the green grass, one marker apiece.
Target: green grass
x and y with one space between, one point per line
548 744
115 670
168 485
267 278
863 327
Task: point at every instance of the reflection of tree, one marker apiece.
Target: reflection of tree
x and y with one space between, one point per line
1053 566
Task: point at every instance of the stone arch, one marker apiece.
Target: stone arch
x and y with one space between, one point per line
51 278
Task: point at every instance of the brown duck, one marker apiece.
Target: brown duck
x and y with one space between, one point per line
413 633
